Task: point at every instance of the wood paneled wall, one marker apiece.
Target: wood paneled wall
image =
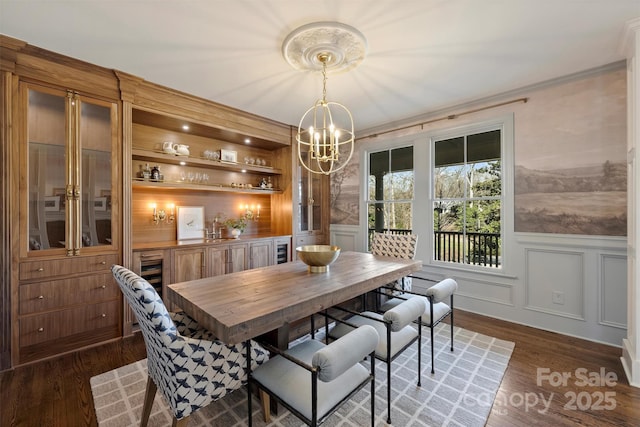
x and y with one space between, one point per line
215 204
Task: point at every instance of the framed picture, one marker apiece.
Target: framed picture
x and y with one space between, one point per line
190 222
52 204
229 156
61 193
100 204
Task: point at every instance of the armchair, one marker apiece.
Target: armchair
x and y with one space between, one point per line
185 361
313 380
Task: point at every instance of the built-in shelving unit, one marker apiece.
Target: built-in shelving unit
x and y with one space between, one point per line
171 159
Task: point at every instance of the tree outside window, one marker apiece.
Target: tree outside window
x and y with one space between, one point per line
467 199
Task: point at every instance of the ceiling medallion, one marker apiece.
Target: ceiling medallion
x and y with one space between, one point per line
325 137
345 46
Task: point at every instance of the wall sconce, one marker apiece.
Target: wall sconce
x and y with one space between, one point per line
160 215
250 212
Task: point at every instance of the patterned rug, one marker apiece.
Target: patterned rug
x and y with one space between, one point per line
460 393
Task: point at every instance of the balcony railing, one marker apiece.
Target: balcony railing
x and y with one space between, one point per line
468 248
455 246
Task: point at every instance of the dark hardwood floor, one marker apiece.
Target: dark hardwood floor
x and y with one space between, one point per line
57 392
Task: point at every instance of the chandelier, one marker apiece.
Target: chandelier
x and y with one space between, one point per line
325 137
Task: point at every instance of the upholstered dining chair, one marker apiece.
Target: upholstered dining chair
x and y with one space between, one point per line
396 331
313 380
435 297
185 361
397 246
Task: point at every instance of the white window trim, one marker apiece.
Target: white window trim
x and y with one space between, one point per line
422 162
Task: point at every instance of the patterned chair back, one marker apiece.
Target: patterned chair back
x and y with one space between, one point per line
397 246
190 370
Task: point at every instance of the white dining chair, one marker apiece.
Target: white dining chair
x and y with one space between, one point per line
313 380
396 331
434 297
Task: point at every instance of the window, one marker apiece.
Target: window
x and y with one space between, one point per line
467 199
390 191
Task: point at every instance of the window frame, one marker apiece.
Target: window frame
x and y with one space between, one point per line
386 202
505 125
422 206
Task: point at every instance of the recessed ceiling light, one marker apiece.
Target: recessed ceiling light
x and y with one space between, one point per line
247 141
243 171
182 163
185 127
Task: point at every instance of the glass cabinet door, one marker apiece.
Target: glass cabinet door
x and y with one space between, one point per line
96 136
69 158
309 199
46 165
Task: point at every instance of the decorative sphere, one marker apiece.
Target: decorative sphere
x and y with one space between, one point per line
318 257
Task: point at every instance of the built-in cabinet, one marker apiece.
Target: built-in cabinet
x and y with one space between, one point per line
67 160
76 139
312 202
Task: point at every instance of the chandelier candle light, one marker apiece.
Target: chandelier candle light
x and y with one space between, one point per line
325 135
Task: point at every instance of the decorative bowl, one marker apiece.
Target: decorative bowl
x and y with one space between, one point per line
318 257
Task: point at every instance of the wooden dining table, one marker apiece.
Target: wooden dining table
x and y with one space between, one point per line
247 304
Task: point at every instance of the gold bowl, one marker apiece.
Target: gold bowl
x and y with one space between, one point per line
318 257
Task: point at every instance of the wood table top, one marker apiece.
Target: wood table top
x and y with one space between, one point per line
246 304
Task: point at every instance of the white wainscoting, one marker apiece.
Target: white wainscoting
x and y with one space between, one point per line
612 287
590 272
549 272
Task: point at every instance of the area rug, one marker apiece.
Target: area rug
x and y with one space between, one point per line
460 393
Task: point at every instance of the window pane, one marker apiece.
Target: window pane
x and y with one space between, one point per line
449 152
483 232
398 186
390 216
448 236
449 182
402 159
486 179
483 146
467 189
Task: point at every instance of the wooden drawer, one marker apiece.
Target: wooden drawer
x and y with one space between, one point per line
43 269
56 294
51 326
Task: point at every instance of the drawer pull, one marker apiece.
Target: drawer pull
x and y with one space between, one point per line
40 329
40 296
40 269
103 287
104 315
104 263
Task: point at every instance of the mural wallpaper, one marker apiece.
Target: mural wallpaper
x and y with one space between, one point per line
345 207
570 158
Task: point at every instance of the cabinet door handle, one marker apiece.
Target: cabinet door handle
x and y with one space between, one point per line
40 269
40 329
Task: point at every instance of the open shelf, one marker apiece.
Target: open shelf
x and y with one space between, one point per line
169 185
172 159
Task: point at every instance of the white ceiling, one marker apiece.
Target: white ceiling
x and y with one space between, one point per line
423 55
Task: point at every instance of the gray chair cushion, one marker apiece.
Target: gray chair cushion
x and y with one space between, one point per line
292 383
336 358
399 339
405 313
439 309
442 290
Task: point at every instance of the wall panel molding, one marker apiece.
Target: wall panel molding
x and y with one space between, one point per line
549 272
